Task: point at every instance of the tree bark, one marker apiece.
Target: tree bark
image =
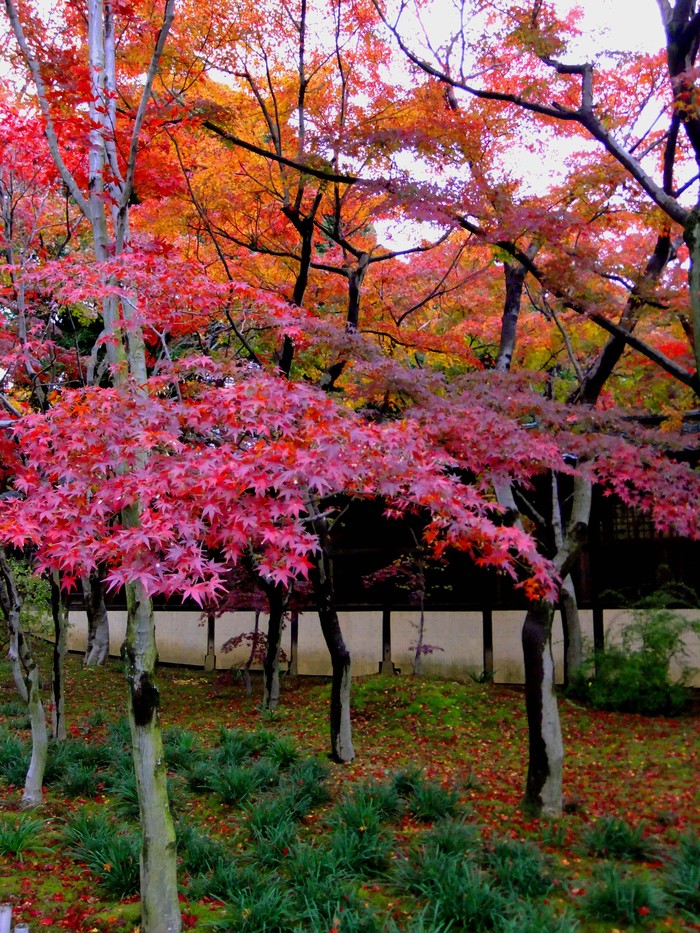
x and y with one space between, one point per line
277 599
691 235
97 648
160 911
340 719
58 673
26 677
543 788
571 621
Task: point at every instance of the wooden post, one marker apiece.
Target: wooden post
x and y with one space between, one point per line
386 665
487 635
210 659
598 629
294 648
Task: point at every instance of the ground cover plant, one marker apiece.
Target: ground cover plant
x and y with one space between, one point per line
423 832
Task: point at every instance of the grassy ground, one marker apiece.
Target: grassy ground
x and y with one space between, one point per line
273 837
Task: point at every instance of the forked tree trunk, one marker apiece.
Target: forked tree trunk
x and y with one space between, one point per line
543 788
26 677
159 901
277 599
58 672
97 648
340 721
111 184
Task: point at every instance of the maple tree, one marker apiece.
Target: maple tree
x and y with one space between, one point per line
256 356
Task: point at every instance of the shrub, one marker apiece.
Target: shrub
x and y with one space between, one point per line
519 868
282 752
79 780
531 918
316 874
17 711
200 775
431 801
405 782
122 784
272 827
345 917
421 874
226 881
634 676
624 899
83 828
182 749
19 834
383 799
464 897
111 853
237 783
683 875
267 908
199 852
356 813
449 837
14 758
364 850
235 747
610 837
306 785
62 755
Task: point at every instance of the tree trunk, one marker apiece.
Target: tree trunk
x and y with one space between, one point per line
571 622
97 648
691 235
418 653
340 722
26 677
277 599
33 794
356 277
58 673
543 789
159 901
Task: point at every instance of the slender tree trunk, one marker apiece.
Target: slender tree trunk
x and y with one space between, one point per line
160 912
26 676
418 653
277 599
571 621
543 789
58 673
356 277
97 648
33 794
340 721
692 238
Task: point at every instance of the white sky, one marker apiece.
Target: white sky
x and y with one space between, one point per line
619 25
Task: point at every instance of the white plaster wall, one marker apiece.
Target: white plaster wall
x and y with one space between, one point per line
182 639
